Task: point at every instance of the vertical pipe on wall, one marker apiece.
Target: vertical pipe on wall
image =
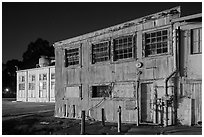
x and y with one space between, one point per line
175 54
137 96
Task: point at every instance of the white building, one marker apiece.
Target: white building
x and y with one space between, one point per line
37 84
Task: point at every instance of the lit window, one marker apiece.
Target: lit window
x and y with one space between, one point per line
72 56
100 52
101 91
123 48
196 41
156 42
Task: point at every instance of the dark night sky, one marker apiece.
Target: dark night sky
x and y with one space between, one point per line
23 23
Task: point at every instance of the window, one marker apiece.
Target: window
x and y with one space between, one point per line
196 41
22 78
42 76
33 78
42 89
100 52
123 48
72 56
52 85
101 91
31 86
52 75
21 86
156 43
44 85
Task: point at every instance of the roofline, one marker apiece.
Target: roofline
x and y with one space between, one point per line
35 68
187 17
115 27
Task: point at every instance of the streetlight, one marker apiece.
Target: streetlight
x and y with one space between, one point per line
7 89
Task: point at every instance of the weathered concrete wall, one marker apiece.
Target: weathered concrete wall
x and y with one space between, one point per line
85 75
189 93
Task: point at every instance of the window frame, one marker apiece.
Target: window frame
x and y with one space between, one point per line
133 48
33 77
66 59
52 76
22 79
52 85
156 31
108 50
23 85
199 41
100 85
31 86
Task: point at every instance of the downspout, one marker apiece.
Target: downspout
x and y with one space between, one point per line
175 55
137 96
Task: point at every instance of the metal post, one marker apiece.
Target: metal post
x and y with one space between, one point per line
167 113
82 122
162 113
102 117
73 110
119 119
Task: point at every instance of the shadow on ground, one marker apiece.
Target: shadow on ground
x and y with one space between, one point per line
47 124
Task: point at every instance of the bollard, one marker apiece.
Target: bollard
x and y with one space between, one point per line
102 117
162 114
73 109
82 122
119 119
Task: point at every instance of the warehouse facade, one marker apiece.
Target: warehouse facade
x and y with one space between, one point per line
36 84
138 66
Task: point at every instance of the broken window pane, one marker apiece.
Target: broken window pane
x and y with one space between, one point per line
72 56
156 42
101 91
123 47
100 52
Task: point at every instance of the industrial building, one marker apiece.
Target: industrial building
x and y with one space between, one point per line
37 84
150 67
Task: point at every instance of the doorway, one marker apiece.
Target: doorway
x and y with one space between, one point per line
147 102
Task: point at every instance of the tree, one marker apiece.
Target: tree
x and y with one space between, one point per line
36 49
9 77
30 59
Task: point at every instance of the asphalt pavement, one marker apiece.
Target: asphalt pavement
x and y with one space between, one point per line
170 130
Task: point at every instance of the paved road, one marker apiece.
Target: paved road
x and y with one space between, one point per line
12 109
